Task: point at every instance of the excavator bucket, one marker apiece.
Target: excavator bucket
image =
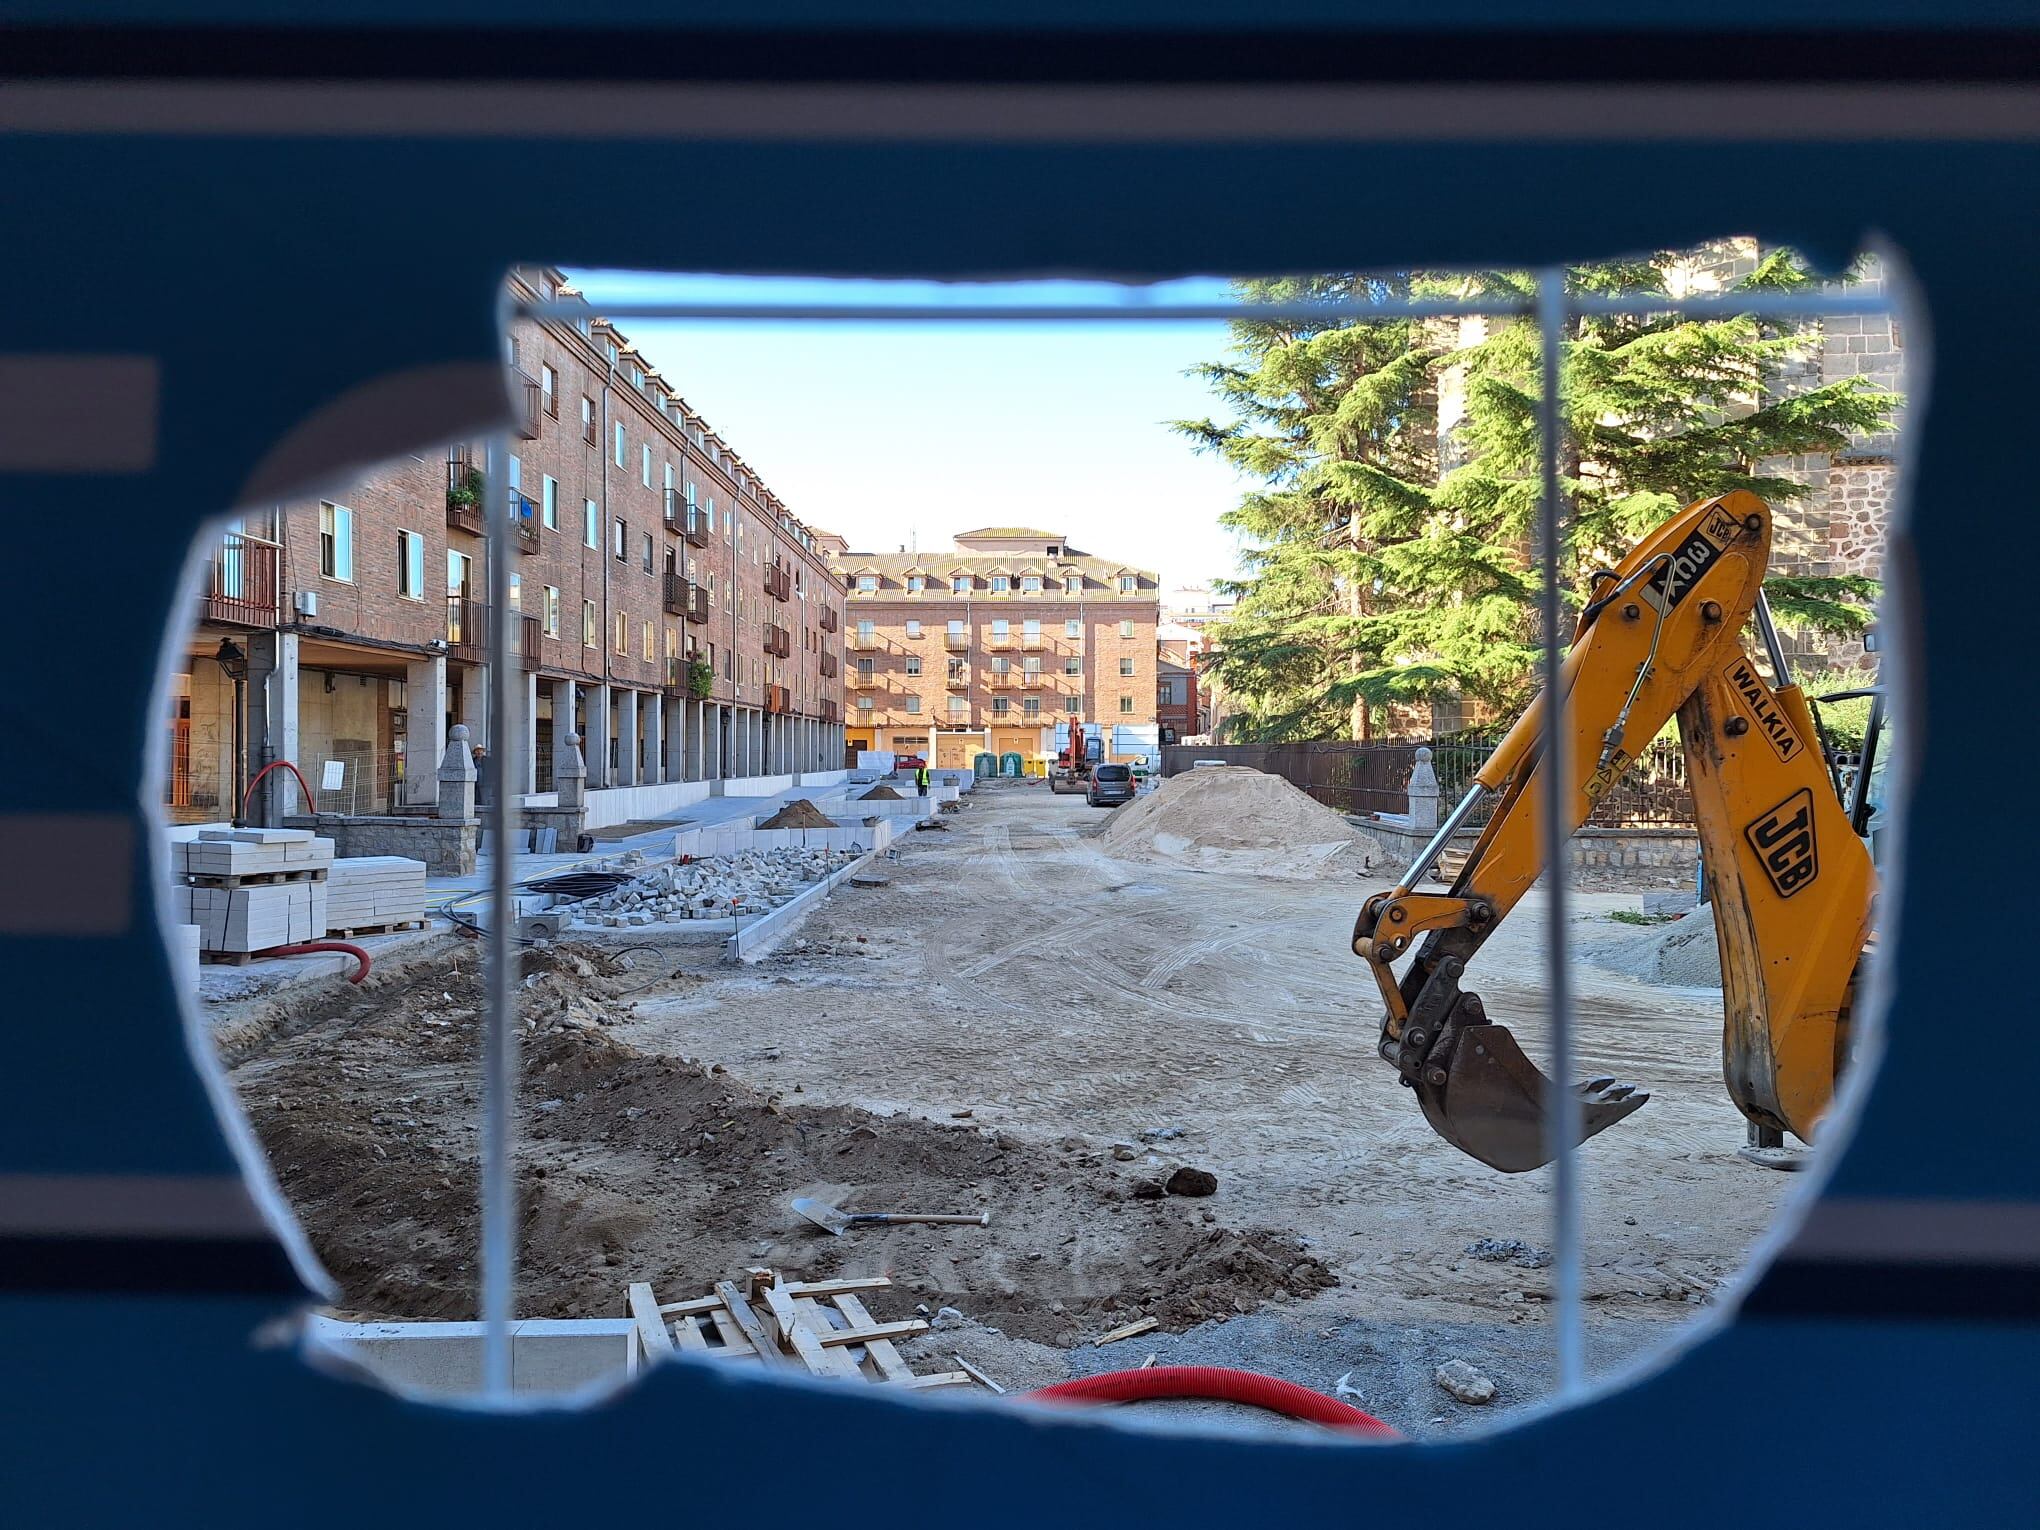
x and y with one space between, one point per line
1492 1102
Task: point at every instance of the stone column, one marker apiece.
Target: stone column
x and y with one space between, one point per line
690 763
570 771
596 747
655 733
425 728
457 777
1423 793
626 738
674 729
525 749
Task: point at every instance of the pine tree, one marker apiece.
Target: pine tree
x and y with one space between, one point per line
1372 577
1336 419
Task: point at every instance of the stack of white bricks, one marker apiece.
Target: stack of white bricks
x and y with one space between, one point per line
250 889
372 891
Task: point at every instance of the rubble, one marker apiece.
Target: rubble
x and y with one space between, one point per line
1463 1383
752 882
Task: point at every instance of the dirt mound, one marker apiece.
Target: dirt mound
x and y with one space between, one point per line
1236 819
1682 954
881 793
799 814
633 1166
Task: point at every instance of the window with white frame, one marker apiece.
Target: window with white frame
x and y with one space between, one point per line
592 527
1073 584
1073 628
622 446
548 391
645 464
587 624
549 502
1126 703
956 626
1001 705
1073 703
648 650
516 592
1030 628
1001 584
867 584
959 706
410 565
1001 628
1030 706
1128 584
866 666
1030 584
552 610
336 541
1126 629
619 637
915 584
619 540
913 664
864 703
1126 666
459 567
913 703
959 584
866 630
1073 665
913 629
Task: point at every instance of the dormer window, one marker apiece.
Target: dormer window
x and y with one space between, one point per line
867 584
1054 550
1001 584
1073 584
1030 584
916 584
1128 584
959 584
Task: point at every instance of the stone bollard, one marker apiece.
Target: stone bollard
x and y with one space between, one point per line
570 772
457 777
1423 793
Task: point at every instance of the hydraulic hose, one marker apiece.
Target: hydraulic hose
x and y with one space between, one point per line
314 947
1221 1384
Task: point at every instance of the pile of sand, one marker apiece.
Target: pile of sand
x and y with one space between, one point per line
1234 818
799 814
1682 954
880 793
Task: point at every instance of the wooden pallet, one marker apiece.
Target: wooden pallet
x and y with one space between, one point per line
257 878
390 928
227 958
818 1326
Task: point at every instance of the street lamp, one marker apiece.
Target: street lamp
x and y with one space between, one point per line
233 662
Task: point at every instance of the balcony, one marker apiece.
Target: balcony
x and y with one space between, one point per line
779 581
865 640
242 589
778 640
999 640
956 642
778 699
1001 680
958 680
467 633
679 593
860 681
1032 642
694 522
464 494
527 398
589 433
524 521
830 621
831 712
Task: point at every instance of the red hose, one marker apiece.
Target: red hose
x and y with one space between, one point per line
311 802
314 947
1223 1385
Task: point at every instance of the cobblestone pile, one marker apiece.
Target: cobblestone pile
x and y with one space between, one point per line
754 882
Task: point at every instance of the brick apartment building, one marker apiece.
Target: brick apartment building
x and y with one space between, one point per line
663 599
996 646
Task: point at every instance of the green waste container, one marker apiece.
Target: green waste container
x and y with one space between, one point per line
1009 763
984 767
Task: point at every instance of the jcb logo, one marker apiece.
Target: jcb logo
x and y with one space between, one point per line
1783 840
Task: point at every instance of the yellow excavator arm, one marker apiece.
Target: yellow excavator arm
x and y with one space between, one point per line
1791 883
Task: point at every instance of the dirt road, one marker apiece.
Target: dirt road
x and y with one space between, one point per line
1014 970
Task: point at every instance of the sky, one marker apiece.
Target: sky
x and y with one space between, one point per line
903 434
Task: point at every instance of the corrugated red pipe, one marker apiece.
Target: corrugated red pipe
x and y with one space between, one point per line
311 802
314 947
1221 1384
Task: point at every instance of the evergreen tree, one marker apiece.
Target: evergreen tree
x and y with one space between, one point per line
1337 421
1373 577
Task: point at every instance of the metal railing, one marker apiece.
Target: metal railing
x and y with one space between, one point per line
243 588
525 390
779 581
829 665
464 493
467 633
829 620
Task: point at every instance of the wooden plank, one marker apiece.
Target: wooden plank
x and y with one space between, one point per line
805 1341
688 1335
747 1320
651 1328
826 1288
979 1376
1142 1326
734 1342
901 1330
700 1304
887 1361
938 1379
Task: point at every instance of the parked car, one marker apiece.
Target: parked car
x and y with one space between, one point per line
1110 786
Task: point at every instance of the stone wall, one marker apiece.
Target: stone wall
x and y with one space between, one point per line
1604 858
446 847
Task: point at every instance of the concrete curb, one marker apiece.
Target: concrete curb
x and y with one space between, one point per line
755 939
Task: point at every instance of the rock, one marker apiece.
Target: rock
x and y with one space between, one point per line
1189 1181
1510 1250
1148 1190
1125 1152
1161 1134
1462 1382
946 1317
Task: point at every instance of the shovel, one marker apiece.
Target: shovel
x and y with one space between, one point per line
837 1222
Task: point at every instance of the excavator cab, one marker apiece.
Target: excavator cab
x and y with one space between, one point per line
1789 874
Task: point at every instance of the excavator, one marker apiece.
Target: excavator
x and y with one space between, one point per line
1787 867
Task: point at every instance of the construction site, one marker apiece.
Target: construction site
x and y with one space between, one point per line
1129 1057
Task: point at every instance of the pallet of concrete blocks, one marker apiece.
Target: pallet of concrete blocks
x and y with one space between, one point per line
820 1327
250 889
368 894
